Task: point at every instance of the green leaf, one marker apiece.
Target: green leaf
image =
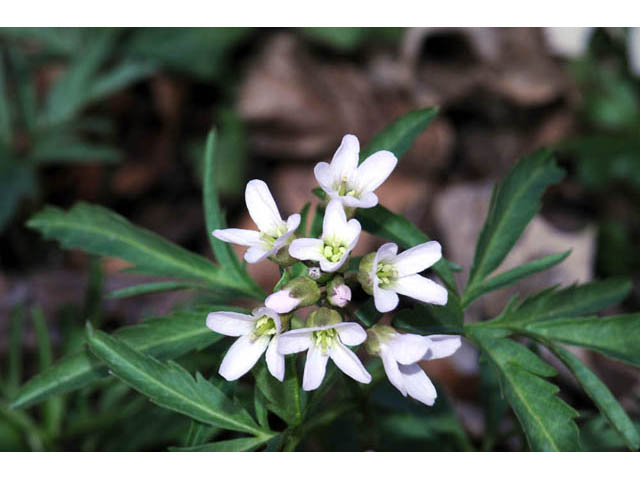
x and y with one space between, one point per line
16 182
368 314
214 220
616 337
153 287
70 93
246 444
400 135
163 337
16 330
170 386
601 396
70 148
5 108
425 319
52 410
282 398
396 228
572 301
98 230
514 202
547 421
117 78
512 276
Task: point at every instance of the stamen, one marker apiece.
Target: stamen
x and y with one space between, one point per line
265 325
325 339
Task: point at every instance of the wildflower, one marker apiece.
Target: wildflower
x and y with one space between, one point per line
274 233
337 240
385 274
353 185
258 332
299 292
324 338
338 293
400 354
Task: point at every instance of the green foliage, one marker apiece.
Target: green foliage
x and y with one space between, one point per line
214 220
514 202
201 52
398 136
512 276
548 422
351 39
98 230
171 386
601 396
165 337
431 319
245 444
282 398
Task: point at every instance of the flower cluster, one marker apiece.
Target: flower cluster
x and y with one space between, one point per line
327 283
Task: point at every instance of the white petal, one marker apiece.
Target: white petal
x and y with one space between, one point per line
442 346
384 299
386 252
366 200
324 176
238 236
329 266
421 288
275 360
230 323
375 170
345 160
307 249
262 208
293 222
418 384
350 333
258 253
351 233
349 363
409 348
334 222
261 311
314 368
282 301
391 369
295 341
242 355
418 258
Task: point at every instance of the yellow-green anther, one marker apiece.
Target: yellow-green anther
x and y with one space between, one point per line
325 339
385 273
265 325
333 253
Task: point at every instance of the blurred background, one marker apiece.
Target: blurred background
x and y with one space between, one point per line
118 117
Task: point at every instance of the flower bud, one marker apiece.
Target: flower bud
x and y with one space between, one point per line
376 336
364 272
338 293
322 317
299 292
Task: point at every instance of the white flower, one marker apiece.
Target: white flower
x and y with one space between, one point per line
354 185
274 233
568 42
400 354
386 274
323 342
282 301
339 236
258 332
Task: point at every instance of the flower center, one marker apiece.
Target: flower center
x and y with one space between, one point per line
265 325
385 273
265 237
333 252
325 339
345 190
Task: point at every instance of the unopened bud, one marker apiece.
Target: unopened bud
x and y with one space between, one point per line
338 293
299 292
364 272
376 336
322 317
